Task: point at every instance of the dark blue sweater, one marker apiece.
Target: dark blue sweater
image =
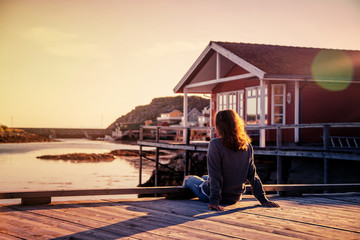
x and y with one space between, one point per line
228 171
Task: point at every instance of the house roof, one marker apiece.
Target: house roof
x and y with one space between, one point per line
273 61
286 60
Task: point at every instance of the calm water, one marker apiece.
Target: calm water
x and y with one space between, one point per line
20 170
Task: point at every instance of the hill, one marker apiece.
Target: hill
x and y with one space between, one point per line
160 105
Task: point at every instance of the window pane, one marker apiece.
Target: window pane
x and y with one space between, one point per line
278 90
278 110
266 109
278 99
276 119
251 111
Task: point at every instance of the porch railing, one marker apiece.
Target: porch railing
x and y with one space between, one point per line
324 139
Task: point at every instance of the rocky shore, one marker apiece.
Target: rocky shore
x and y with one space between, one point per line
171 164
10 135
106 157
80 157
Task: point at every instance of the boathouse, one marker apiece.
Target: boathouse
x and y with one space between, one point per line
277 85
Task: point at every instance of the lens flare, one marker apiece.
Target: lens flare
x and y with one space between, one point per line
332 70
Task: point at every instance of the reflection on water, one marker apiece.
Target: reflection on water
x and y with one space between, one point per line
21 170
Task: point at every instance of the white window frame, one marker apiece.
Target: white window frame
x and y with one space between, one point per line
241 101
258 99
227 104
273 105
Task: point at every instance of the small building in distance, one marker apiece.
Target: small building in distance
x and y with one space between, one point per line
193 118
204 119
278 85
173 117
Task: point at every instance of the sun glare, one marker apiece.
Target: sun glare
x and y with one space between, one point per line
332 70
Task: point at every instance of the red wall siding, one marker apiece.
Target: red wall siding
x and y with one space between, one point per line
324 106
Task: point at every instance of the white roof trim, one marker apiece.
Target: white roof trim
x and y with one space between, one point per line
254 71
193 67
227 79
239 61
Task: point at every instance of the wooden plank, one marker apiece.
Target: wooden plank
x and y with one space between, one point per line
249 222
310 154
280 225
154 221
34 226
93 192
5 236
310 215
187 227
170 189
156 218
71 213
203 224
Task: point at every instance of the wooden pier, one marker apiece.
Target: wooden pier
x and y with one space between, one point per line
308 217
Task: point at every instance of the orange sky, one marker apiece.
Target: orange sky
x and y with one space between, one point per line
84 63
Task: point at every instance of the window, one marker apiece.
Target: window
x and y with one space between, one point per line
240 110
253 105
278 104
231 100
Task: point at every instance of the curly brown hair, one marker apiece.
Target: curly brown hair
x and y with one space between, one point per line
231 128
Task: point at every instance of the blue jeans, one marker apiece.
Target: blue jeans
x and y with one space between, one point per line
194 184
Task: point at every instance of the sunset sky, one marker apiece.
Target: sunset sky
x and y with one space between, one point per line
84 63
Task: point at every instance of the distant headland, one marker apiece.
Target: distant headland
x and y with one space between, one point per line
11 135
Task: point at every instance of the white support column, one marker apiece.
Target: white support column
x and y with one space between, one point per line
262 113
297 110
217 66
211 109
185 114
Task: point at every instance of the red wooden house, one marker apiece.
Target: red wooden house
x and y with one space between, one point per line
272 85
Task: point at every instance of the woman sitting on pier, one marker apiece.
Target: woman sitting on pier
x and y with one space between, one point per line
230 162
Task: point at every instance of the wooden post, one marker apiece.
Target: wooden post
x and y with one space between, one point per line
262 138
186 172
326 136
188 135
35 200
185 113
297 110
157 134
326 141
140 165
156 168
187 142
279 177
141 134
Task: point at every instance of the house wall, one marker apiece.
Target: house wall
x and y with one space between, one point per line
324 106
319 106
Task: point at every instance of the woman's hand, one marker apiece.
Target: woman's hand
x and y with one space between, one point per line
215 207
270 204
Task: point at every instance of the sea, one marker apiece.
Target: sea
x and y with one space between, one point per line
21 170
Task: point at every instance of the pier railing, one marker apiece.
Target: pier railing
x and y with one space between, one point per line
321 135
322 143
45 197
